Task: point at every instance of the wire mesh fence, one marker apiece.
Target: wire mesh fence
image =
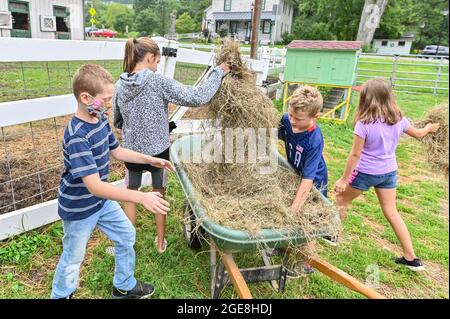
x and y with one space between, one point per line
412 74
31 158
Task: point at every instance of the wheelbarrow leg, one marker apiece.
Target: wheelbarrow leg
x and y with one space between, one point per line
267 262
218 281
283 273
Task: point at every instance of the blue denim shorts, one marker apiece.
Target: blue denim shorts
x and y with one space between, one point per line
364 181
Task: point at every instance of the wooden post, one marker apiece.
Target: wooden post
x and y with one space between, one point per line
256 21
344 278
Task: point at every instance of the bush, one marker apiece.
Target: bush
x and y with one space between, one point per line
287 38
368 48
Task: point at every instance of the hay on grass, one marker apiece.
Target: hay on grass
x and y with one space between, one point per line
436 144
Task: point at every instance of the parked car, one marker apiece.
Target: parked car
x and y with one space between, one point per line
431 50
89 30
105 33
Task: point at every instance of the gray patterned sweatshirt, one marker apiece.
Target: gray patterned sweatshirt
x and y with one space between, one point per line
141 107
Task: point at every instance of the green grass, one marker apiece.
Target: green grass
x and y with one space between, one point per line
27 262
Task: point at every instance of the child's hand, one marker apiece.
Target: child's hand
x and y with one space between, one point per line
340 186
432 127
155 203
161 163
225 67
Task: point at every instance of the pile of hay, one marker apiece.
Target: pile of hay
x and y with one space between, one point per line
436 144
239 196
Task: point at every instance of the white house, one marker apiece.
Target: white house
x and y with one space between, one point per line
234 18
47 19
400 46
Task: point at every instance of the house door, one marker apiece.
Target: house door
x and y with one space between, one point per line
20 12
248 32
62 15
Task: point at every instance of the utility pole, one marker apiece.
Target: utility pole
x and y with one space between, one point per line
256 22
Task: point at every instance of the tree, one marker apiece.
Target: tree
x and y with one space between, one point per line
370 19
118 16
185 24
162 10
100 7
146 21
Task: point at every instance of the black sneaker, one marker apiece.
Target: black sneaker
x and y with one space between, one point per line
414 265
140 291
331 240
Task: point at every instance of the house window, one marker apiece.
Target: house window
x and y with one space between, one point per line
267 27
62 17
401 43
227 5
384 43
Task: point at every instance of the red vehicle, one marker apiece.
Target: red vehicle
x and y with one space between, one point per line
105 33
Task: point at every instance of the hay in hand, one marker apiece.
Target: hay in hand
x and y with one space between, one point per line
239 103
436 144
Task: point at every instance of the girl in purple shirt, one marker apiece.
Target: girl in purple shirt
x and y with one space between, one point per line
379 123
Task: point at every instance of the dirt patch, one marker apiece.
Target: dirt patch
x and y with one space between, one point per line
31 163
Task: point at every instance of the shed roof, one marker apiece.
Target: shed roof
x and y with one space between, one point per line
325 45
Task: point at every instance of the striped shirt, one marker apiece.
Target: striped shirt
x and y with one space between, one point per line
86 149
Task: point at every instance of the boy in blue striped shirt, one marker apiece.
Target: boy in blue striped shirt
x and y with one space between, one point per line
87 200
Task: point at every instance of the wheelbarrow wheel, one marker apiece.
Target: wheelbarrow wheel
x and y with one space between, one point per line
193 233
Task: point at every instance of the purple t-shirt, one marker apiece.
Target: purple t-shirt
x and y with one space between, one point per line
381 140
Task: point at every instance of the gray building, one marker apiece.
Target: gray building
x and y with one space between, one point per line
46 19
233 18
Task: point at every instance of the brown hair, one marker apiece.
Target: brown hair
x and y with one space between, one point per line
306 99
377 103
90 78
136 50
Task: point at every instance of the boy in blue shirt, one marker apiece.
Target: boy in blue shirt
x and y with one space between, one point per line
87 200
304 144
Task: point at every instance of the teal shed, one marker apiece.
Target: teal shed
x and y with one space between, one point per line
331 63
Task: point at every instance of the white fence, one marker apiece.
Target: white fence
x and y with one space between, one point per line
31 110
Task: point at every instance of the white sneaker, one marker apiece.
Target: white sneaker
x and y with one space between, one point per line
110 250
165 245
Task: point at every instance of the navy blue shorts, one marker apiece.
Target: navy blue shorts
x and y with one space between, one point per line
364 181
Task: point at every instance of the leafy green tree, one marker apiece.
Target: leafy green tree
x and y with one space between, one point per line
146 21
118 16
185 24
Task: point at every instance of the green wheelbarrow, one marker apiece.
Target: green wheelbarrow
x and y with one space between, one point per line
225 242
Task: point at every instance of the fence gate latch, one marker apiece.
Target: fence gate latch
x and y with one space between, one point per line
169 52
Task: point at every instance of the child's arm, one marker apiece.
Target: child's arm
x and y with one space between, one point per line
117 116
179 94
417 133
126 155
302 194
151 201
352 161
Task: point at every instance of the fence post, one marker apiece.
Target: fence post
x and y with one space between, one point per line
394 70
438 77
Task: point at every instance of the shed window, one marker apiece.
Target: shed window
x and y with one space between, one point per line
401 43
384 43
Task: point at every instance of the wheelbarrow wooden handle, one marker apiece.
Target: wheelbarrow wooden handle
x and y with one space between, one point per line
344 278
235 275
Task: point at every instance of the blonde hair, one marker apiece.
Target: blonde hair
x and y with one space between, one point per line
136 50
306 99
377 103
90 78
